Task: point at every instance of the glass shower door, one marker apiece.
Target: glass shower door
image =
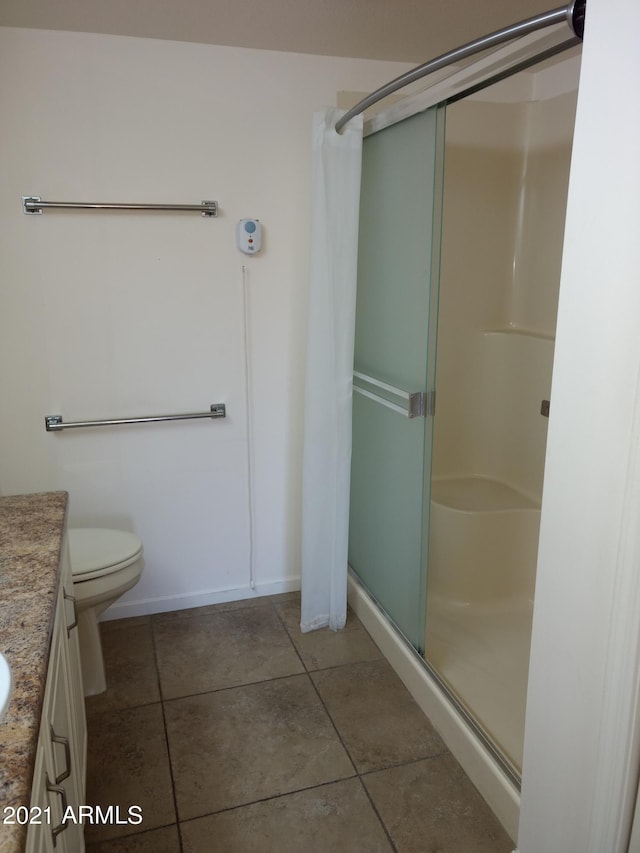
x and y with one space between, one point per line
394 366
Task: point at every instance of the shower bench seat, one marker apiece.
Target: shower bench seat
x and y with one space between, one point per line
483 541
479 494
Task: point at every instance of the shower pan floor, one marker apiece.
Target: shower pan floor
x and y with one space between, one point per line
481 650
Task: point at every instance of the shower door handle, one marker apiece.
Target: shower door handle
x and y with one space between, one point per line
411 404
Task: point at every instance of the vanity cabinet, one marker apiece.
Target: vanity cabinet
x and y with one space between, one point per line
60 765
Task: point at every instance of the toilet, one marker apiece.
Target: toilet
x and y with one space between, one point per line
105 564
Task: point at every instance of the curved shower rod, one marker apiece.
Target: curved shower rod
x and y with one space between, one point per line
573 15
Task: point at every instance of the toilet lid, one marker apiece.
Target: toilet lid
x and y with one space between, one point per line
98 550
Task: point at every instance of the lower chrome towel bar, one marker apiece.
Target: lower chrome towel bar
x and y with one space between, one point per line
54 423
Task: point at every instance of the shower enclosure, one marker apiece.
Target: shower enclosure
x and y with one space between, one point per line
459 267
506 180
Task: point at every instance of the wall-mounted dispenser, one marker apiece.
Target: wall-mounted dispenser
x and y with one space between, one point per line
249 236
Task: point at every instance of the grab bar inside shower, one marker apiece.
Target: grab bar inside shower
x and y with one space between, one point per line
54 423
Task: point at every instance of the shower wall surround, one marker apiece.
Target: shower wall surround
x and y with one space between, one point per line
121 314
507 172
506 177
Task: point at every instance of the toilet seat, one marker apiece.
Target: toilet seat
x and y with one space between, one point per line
105 564
98 551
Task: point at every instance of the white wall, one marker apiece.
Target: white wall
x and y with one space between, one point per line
116 315
581 757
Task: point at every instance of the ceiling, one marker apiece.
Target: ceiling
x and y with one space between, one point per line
403 30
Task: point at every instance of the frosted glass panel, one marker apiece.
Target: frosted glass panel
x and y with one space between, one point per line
394 258
396 309
385 536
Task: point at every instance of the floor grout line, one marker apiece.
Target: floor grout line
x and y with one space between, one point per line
96 845
166 738
270 798
377 813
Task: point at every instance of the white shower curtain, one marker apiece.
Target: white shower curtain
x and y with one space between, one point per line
336 168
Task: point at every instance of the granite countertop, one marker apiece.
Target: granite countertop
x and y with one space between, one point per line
31 536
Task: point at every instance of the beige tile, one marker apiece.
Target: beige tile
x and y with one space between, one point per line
432 806
326 819
235 746
376 716
128 764
281 597
258 601
222 650
130 664
325 648
165 840
117 624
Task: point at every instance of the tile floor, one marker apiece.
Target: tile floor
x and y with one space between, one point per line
235 733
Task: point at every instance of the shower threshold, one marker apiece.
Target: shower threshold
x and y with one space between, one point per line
480 652
488 767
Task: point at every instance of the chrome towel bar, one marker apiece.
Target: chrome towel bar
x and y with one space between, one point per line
33 204
54 423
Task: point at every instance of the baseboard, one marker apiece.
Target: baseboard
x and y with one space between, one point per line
184 601
488 777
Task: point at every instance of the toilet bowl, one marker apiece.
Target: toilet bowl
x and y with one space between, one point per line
105 564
